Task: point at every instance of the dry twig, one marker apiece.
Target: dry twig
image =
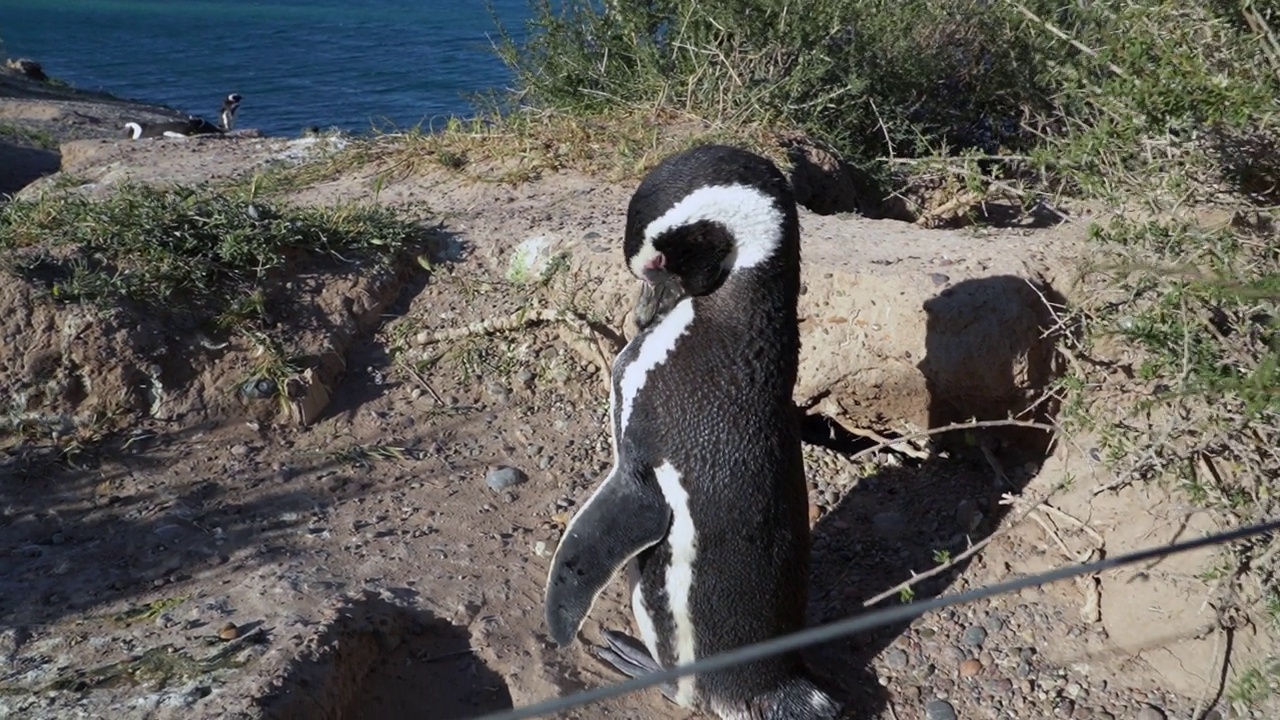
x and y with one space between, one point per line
971 425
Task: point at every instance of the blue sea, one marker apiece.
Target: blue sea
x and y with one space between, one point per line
352 64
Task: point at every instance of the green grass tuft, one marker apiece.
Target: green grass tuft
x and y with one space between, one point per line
185 250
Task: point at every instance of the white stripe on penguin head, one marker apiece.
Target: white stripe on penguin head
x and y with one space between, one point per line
750 216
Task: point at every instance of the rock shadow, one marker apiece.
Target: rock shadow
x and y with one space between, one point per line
367 364
909 517
21 166
377 659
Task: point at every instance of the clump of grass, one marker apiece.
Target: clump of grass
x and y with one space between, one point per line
516 147
189 251
27 136
1088 98
1177 373
1251 688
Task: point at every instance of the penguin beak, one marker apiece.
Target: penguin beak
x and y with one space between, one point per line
659 293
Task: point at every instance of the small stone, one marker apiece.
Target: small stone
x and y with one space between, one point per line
259 388
1024 669
1151 713
58 538
544 462
240 450
995 625
974 635
966 512
229 632
888 524
970 667
525 376
895 658
815 512
1000 686
939 710
503 477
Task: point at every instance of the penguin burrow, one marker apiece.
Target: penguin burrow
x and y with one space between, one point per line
706 505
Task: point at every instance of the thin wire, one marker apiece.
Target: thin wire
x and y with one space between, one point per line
866 621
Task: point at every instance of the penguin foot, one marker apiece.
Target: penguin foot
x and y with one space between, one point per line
630 657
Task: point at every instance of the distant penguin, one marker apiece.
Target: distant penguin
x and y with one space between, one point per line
191 126
227 116
706 504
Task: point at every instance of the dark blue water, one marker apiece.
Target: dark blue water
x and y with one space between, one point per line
353 64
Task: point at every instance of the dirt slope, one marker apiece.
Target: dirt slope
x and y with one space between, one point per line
222 562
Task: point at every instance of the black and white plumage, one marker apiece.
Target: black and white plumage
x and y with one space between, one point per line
192 126
227 116
706 505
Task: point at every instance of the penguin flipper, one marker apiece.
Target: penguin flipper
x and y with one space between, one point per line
629 657
624 517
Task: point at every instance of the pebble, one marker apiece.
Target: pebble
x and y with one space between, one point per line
939 710
229 632
240 450
975 635
895 658
1002 686
970 667
258 388
1151 713
503 477
888 524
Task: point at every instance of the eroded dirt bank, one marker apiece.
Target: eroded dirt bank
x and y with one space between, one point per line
359 558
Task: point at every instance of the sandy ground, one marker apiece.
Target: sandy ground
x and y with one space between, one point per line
223 562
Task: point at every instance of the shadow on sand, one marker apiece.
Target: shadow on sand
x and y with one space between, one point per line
902 519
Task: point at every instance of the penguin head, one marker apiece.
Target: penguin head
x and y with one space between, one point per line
706 214
232 100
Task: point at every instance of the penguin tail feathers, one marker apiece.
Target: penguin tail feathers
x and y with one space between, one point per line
801 699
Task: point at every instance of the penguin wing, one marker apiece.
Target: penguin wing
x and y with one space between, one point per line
625 516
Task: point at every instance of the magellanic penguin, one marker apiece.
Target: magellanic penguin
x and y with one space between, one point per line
227 116
706 504
191 126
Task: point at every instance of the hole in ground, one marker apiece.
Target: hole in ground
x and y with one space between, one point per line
375 659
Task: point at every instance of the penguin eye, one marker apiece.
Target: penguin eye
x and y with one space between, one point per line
696 253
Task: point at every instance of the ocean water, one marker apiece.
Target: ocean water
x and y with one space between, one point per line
352 64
